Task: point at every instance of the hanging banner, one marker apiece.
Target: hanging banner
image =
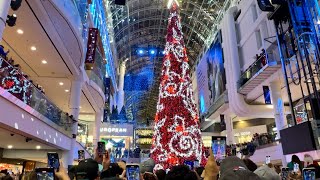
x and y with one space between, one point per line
92 45
266 94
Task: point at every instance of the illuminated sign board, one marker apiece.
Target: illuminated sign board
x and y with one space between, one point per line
109 129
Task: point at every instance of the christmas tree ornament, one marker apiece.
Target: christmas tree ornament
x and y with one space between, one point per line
177 135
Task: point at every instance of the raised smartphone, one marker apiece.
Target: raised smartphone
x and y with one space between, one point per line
268 159
81 155
45 173
53 160
133 172
285 173
309 173
101 148
190 164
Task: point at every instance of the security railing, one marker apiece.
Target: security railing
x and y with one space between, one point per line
261 62
18 84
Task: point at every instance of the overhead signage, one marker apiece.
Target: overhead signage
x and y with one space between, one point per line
109 129
115 130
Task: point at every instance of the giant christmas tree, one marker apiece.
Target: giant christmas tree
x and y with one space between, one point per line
177 136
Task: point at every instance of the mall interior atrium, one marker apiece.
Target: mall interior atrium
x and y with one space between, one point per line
159 89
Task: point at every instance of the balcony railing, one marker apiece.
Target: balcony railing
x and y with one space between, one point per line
18 84
259 71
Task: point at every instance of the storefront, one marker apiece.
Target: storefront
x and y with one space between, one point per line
12 168
118 137
243 135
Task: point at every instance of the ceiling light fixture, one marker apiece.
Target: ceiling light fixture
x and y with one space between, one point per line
61 83
67 90
33 48
44 62
19 31
10 146
38 147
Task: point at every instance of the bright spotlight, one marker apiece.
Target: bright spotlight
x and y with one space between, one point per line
140 52
163 52
152 52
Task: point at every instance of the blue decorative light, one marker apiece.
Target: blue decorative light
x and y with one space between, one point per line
152 52
202 104
140 52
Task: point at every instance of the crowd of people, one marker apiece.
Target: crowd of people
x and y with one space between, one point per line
231 168
22 87
17 68
261 61
8 175
247 149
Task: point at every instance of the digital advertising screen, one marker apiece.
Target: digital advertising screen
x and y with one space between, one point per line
211 77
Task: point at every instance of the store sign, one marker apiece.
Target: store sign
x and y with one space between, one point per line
242 134
92 45
116 130
109 129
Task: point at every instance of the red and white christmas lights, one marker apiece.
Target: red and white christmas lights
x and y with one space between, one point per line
177 135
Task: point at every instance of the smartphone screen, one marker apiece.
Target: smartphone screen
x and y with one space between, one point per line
285 173
295 167
101 148
309 174
133 172
81 155
45 173
53 160
219 148
190 164
268 159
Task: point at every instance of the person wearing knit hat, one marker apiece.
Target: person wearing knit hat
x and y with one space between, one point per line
234 168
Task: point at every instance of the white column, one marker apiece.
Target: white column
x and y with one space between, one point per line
229 130
121 86
4 9
278 108
97 126
74 104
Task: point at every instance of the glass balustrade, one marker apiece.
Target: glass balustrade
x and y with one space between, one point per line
82 8
19 85
261 62
97 70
